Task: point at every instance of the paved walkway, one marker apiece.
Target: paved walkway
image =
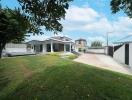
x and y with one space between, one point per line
103 61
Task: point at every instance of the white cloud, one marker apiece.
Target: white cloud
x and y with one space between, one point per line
85 19
130 33
123 25
88 20
83 14
99 38
101 26
37 37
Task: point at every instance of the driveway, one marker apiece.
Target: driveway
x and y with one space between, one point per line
103 61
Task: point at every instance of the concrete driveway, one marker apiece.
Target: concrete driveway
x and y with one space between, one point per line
103 61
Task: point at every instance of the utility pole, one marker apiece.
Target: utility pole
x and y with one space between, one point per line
107 41
108 37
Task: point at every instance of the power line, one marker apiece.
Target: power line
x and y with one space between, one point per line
125 37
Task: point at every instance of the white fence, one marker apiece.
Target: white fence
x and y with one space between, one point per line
130 54
96 50
119 54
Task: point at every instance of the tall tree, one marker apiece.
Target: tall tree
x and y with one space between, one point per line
125 5
46 13
13 27
36 13
96 44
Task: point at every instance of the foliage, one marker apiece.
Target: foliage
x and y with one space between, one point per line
13 26
125 5
96 43
46 13
53 78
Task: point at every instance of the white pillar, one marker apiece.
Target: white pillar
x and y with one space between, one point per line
51 46
44 48
32 48
64 47
70 47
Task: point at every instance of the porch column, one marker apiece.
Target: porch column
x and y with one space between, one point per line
44 48
70 47
51 44
32 48
64 47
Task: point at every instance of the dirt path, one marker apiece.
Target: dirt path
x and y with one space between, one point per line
103 61
27 72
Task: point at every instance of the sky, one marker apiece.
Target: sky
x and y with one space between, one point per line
88 19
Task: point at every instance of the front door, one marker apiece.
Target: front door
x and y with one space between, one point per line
127 54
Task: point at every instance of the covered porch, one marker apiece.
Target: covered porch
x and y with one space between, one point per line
57 46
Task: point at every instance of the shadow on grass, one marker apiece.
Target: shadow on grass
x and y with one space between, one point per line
4 80
73 82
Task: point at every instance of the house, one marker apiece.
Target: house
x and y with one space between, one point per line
123 51
52 44
80 45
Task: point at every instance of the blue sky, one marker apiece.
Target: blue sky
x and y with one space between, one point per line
88 19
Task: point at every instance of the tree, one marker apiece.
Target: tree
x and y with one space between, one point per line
46 13
96 44
13 27
125 5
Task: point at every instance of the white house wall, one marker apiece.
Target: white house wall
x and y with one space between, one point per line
130 54
15 47
119 54
106 50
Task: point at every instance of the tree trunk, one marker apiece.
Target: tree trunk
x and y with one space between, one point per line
0 54
0 51
2 45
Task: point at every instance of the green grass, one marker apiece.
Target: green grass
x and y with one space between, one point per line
54 54
71 56
53 78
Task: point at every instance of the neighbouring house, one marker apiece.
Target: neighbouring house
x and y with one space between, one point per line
53 44
123 51
80 45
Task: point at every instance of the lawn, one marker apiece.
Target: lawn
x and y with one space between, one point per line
50 77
